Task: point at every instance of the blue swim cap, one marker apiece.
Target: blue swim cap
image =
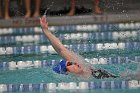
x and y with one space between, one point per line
60 68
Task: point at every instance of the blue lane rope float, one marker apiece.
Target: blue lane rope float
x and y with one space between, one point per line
76 47
25 64
71 85
12 65
96 36
71 28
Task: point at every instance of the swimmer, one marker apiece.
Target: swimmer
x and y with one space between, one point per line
72 63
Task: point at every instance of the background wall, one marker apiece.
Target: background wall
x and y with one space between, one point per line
114 11
113 6
89 3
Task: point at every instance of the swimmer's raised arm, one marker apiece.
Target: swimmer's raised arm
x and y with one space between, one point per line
57 45
71 58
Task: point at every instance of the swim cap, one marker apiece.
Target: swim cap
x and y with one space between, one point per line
60 68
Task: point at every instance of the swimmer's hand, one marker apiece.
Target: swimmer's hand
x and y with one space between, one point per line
44 23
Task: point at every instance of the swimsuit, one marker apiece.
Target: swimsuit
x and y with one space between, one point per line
100 74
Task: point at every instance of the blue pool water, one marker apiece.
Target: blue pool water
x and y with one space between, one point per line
26 58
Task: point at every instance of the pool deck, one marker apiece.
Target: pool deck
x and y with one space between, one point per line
69 20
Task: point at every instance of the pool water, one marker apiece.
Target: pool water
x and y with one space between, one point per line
26 57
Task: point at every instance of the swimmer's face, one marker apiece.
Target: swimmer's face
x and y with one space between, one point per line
74 68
